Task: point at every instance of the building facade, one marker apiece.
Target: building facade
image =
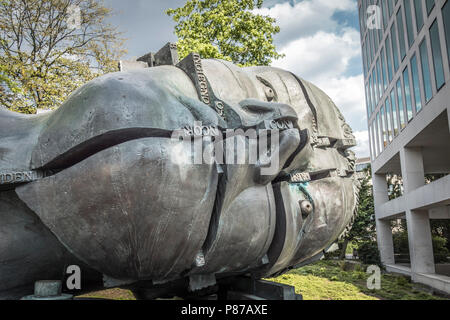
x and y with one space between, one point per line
406 54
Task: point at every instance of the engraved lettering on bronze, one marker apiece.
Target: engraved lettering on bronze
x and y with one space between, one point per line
201 79
220 108
281 125
18 177
199 130
301 177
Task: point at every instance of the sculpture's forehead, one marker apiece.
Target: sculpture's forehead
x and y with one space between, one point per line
235 84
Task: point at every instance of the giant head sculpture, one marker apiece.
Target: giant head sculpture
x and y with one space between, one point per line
201 168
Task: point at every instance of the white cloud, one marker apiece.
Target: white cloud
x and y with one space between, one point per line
319 49
321 55
348 94
362 150
306 17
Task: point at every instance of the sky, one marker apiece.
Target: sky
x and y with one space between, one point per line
320 39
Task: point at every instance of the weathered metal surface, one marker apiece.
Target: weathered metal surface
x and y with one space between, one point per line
48 290
120 195
28 250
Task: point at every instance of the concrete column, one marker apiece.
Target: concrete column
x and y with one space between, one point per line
384 231
413 173
385 241
380 190
448 117
418 222
420 242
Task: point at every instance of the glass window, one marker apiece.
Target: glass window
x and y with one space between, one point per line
419 14
388 118
380 37
361 18
401 34
408 103
389 59
394 113
375 40
374 89
430 6
372 152
374 138
426 71
368 102
367 45
383 128
390 7
446 18
364 59
409 22
380 133
416 83
401 109
437 55
385 14
371 45
379 79
384 69
394 47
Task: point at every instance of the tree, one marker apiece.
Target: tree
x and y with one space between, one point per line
226 29
51 47
363 228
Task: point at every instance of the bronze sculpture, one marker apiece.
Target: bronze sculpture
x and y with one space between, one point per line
94 183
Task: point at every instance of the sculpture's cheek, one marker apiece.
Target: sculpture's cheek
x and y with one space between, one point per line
302 233
129 211
333 210
243 234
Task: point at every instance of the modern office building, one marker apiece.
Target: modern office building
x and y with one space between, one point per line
406 57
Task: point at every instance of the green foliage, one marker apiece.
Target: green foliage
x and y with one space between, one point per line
401 244
325 280
395 186
441 228
363 228
369 254
440 250
44 59
225 29
441 253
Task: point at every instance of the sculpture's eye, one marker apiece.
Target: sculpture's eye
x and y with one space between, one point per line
269 91
306 207
270 94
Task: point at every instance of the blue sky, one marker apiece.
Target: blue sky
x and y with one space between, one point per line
319 37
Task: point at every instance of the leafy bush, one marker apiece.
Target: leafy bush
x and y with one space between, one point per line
440 249
369 254
401 245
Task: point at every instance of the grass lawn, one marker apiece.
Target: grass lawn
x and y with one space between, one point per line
326 280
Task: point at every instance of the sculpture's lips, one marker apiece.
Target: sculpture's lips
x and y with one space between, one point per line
112 138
